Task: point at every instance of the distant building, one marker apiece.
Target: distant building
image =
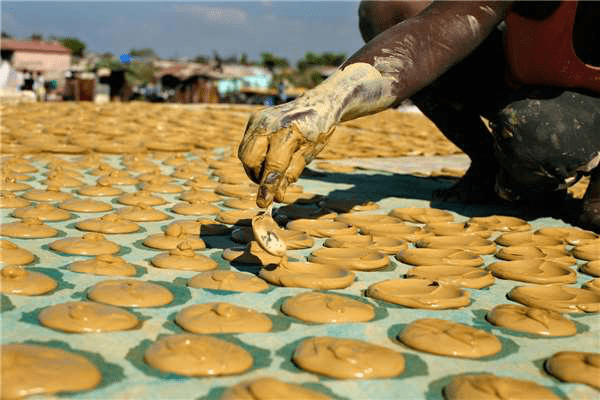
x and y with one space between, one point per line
52 59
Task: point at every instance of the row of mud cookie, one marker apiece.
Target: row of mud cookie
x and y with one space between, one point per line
337 271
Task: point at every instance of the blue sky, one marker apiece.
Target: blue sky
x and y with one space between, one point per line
177 29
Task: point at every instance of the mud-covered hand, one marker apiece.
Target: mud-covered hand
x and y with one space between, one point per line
280 141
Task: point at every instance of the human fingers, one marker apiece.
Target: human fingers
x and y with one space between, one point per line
252 153
291 174
282 146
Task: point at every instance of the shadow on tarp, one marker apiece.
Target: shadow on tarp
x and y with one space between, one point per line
379 186
111 373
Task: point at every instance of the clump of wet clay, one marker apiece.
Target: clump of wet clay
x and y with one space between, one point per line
358 259
130 293
492 387
571 235
591 268
397 230
266 234
44 212
419 293
307 275
173 236
90 244
222 318
538 271
193 355
514 253
50 194
104 264
11 254
18 280
575 366
270 389
421 215
237 217
108 224
561 299
424 256
528 238
99 190
37 370
321 228
536 321
85 316
347 358
457 228
447 338
468 277
184 257
588 251
325 308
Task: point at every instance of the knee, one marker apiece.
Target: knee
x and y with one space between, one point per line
376 16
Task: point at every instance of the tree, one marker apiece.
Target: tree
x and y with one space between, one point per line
244 59
144 53
76 46
6 35
270 61
37 36
327 59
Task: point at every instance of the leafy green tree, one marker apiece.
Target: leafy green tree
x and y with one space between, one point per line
76 46
201 59
270 60
37 36
145 52
244 59
6 35
324 59
140 73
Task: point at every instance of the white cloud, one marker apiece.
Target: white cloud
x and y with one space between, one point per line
217 15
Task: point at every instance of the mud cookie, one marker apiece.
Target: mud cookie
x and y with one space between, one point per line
117 177
571 235
10 200
501 223
172 237
575 366
538 271
10 184
130 293
85 316
423 256
200 195
419 293
20 281
528 238
11 254
90 244
307 275
358 259
29 228
43 212
228 280
141 198
267 234
108 224
562 299
51 194
472 243
325 308
142 213
252 253
195 207
537 321
99 190
222 318
514 253
240 191
37 370
402 231
321 228
104 264
492 387
270 389
457 228
158 186
85 206
362 220
347 358
591 268
589 251
237 217
202 227
194 355
447 338
421 215
185 258
467 277
347 205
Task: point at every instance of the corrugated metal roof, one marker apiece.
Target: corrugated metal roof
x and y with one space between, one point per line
33 46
